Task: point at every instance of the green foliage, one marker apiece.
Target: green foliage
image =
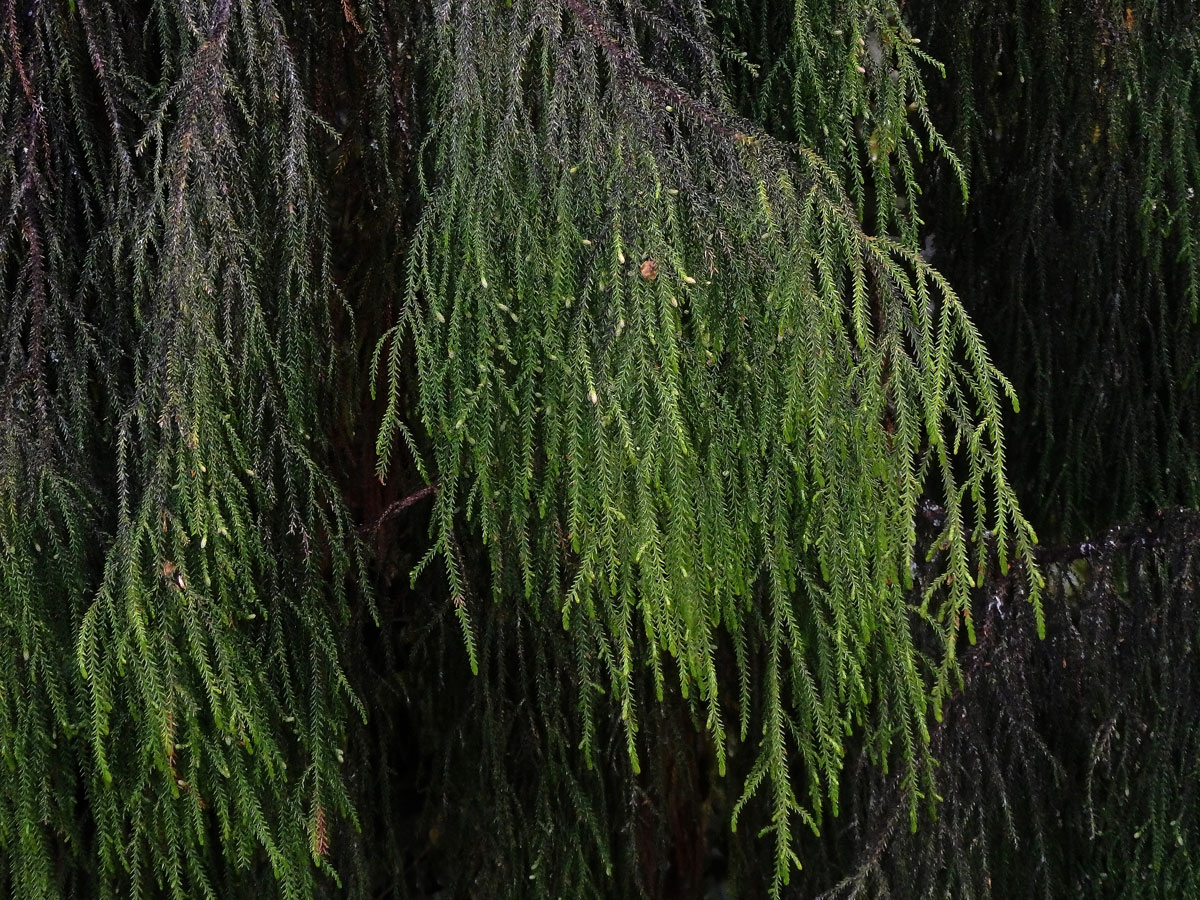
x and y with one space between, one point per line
847 80
713 459
177 559
676 389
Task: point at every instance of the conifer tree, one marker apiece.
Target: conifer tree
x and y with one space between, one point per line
553 448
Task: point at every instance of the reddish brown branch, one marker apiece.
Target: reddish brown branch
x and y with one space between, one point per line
399 506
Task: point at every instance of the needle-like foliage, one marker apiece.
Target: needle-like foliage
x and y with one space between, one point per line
177 558
678 390
493 448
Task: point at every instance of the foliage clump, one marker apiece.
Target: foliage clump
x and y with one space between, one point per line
177 559
676 389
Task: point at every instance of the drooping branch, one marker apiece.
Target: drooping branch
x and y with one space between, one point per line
1062 757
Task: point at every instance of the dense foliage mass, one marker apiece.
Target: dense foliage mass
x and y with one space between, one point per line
493 449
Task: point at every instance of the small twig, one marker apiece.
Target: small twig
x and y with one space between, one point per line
398 506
